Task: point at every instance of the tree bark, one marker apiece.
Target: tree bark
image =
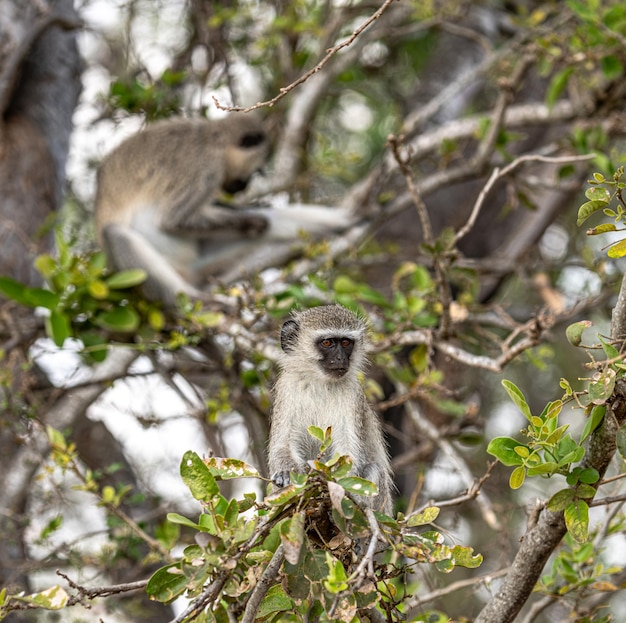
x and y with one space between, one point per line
39 87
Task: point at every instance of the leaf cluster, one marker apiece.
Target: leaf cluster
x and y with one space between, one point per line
550 450
320 531
86 301
606 195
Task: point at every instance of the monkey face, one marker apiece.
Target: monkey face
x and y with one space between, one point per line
335 354
325 342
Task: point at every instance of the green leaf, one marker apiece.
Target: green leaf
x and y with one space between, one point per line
282 496
585 491
197 477
557 84
589 208
40 297
127 279
124 319
292 536
465 557
603 228
612 67
96 346
14 290
574 333
98 289
518 475
609 350
523 451
227 469
336 580
183 521
577 520
46 265
358 486
602 389
598 193
518 398
428 515
589 476
618 249
344 285
167 583
556 435
503 448
593 421
275 600
59 327
561 500
296 584
317 432
444 566
53 598
549 468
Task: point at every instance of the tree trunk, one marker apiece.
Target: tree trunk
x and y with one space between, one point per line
39 87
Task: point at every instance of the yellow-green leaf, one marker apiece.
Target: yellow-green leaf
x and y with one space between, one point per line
428 515
577 520
518 475
618 249
574 333
589 208
601 229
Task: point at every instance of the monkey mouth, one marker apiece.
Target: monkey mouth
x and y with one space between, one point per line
337 373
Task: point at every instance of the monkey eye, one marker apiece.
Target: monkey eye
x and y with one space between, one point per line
346 342
327 343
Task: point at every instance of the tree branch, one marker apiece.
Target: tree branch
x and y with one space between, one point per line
314 70
544 537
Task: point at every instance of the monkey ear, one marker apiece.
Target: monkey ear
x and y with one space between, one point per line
289 335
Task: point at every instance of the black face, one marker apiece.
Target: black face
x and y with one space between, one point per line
235 186
252 139
335 353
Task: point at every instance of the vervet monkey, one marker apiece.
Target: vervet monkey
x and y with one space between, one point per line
158 203
323 354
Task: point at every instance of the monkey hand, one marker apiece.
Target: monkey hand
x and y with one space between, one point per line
281 479
253 225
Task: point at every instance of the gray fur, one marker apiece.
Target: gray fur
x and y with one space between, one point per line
305 394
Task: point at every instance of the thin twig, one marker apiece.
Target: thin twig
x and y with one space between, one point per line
329 54
250 613
471 493
100 591
498 173
419 600
538 607
366 563
443 287
425 426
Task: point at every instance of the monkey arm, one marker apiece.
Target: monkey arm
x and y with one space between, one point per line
128 249
204 221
